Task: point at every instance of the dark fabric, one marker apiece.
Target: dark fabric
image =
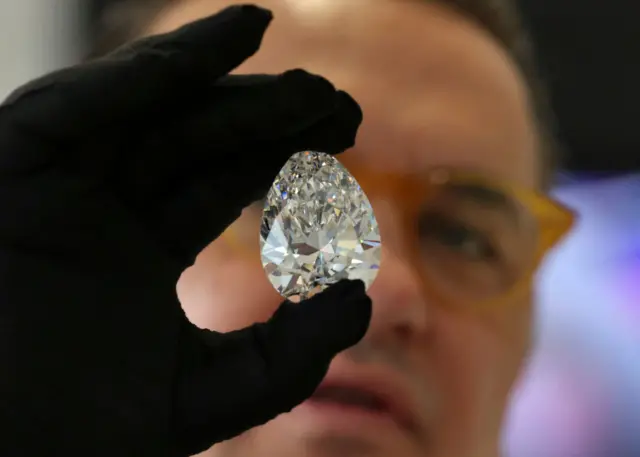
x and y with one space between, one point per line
113 176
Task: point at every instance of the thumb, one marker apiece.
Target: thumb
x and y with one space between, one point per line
239 380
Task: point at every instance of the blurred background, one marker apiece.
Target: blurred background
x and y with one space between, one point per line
581 395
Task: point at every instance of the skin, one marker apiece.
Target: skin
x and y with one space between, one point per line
436 90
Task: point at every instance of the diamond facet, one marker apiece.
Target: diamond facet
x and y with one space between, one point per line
317 228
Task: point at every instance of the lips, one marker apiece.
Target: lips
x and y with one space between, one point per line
372 395
352 397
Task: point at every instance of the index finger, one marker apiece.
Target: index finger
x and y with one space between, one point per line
144 76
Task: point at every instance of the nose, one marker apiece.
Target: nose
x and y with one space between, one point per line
400 312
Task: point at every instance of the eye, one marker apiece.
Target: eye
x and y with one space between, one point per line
457 237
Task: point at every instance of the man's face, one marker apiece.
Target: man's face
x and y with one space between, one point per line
435 91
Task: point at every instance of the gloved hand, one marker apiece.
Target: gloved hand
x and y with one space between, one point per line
113 176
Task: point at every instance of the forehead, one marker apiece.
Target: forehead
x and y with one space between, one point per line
436 89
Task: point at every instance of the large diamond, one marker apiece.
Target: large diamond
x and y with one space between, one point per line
317 228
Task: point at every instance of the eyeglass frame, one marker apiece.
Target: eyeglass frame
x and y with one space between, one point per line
553 219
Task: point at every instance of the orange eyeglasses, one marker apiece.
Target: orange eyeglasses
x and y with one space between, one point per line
472 241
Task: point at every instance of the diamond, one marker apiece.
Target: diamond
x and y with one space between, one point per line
317 228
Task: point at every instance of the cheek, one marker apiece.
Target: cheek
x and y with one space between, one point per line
477 359
223 291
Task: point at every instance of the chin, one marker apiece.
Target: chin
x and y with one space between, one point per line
288 437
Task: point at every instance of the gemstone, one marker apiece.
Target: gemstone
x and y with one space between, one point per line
317 228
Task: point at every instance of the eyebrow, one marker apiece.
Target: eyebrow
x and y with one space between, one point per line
487 197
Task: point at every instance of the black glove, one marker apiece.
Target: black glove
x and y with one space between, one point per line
114 175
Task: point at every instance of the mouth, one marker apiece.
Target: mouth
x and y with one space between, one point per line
363 400
350 397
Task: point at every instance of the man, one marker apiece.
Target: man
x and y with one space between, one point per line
442 84
118 172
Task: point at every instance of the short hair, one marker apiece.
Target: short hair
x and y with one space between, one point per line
119 21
